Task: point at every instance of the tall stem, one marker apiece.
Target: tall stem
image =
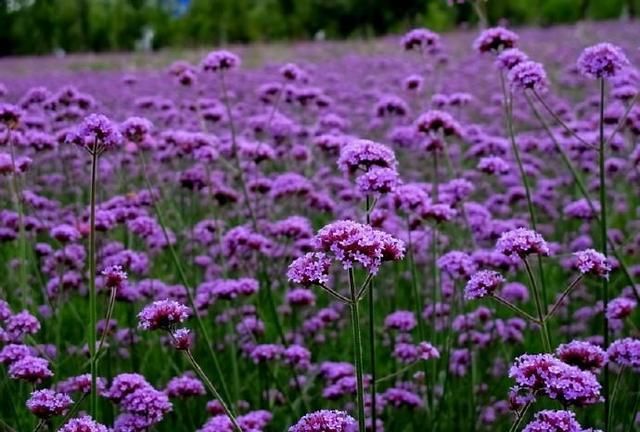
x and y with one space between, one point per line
92 283
508 106
357 349
183 279
372 336
583 191
603 239
536 296
213 390
16 195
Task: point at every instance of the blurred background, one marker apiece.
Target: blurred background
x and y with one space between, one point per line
62 26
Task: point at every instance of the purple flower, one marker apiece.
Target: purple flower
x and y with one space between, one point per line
554 421
434 121
125 384
401 320
495 40
220 61
265 352
620 308
522 242
31 369
457 264
114 276
378 180
182 339
603 60
10 115
185 386
136 129
21 324
311 268
352 242
147 402
493 165
399 397
510 58
426 351
325 421
83 424
363 154
483 283
297 356
421 38
528 75
48 403
591 261
584 355
514 292
96 133
556 379
13 352
625 353
162 314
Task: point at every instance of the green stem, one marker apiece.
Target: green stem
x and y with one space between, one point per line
213 390
372 337
357 350
583 191
16 194
516 309
183 279
92 284
603 239
536 296
566 292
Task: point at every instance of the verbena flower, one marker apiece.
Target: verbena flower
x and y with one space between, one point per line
620 308
48 403
421 38
30 369
483 283
584 355
494 40
603 60
554 421
528 75
363 154
220 61
325 421
593 262
522 242
625 353
96 133
162 314
83 424
311 268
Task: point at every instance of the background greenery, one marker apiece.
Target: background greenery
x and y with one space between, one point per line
42 26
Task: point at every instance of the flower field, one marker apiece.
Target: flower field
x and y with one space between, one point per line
428 232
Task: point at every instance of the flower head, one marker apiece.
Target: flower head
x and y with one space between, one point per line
48 403
311 268
494 40
603 60
626 353
422 39
325 421
162 314
96 133
364 154
482 284
220 61
83 424
522 242
528 75
584 355
592 261
554 421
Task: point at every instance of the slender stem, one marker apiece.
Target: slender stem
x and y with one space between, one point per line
39 425
213 390
583 190
16 195
92 283
396 373
508 101
623 119
536 296
183 279
603 239
514 427
372 334
336 294
357 350
516 309
112 302
560 121
234 150
564 295
633 412
614 392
